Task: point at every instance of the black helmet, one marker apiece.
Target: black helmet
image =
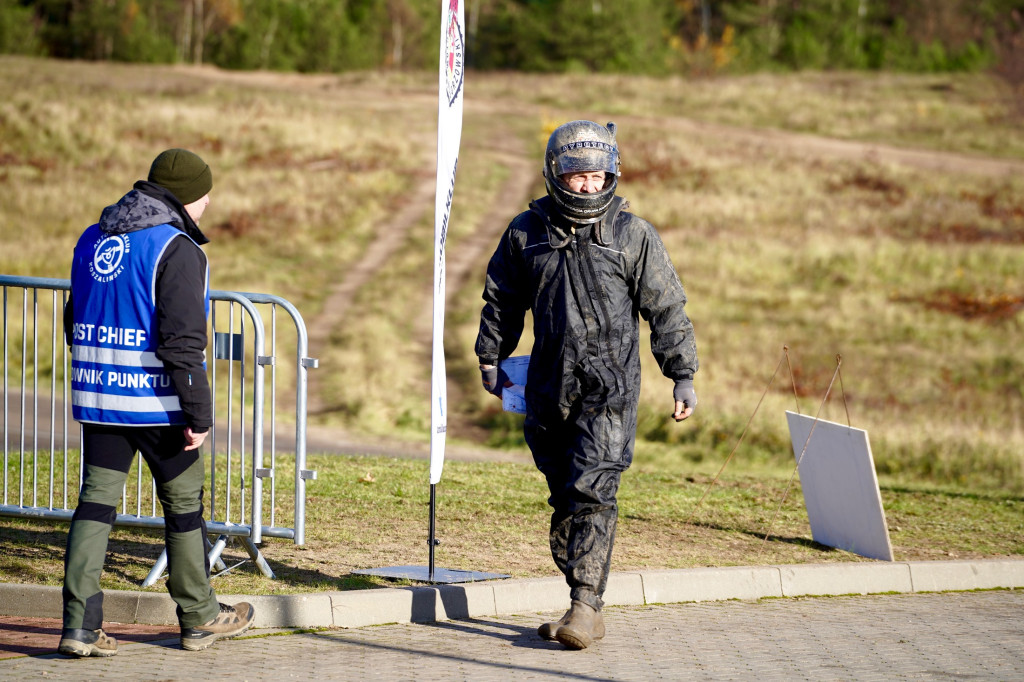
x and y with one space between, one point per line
575 147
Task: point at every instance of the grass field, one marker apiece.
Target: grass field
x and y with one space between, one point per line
368 512
875 218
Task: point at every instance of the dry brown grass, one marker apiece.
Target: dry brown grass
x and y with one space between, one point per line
908 266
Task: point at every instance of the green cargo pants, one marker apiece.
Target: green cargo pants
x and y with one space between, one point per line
108 453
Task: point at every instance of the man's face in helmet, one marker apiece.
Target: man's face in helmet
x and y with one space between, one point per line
585 182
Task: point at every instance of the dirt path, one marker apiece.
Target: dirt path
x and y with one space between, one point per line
467 256
806 145
798 144
339 300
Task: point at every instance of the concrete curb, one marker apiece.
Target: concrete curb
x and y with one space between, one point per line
358 608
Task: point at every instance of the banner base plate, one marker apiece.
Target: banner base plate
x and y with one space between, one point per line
422 574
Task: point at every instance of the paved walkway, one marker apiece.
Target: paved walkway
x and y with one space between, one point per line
975 635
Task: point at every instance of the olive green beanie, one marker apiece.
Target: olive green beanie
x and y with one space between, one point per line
183 174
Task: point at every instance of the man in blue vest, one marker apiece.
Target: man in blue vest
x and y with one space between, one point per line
136 324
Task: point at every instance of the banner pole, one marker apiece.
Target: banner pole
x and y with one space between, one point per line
432 541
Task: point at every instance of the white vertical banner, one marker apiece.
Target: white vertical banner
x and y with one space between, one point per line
449 135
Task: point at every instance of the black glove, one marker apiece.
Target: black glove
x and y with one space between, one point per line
684 393
494 379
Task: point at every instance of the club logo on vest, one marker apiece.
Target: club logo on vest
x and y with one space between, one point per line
108 256
454 64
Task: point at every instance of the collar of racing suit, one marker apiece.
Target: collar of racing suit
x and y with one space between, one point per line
560 233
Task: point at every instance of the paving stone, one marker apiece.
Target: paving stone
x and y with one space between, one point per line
975 635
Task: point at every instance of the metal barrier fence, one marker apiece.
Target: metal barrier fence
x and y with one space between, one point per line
243 484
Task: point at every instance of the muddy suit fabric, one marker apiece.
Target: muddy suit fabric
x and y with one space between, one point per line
586 287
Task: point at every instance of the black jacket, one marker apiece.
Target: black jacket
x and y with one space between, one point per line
586 289
180 291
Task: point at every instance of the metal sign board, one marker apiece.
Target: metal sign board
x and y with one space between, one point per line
837 474
422 574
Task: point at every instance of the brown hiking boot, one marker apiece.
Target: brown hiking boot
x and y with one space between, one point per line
582 626
230 622
82 643
548 630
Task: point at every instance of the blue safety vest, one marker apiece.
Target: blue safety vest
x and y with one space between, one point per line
116 377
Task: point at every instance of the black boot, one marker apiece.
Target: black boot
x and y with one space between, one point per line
583 624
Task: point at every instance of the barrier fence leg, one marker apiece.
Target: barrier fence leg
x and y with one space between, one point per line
257 557
157 571
213 558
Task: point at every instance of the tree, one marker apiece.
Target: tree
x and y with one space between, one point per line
18 33
631 36
591 35
1009 42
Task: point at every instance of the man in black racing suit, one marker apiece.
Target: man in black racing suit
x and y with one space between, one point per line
585 268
